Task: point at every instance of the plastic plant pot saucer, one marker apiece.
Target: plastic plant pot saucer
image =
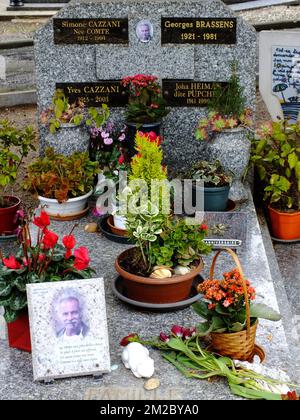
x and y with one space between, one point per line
118 289
105 229
285 241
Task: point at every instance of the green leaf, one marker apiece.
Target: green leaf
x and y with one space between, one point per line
5 288
18 301
176 344
260 310
237 327
204 328
297 170
293 160
5 301
10 315
20 283
201 309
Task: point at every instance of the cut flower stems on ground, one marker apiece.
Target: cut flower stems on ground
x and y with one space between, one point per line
183 349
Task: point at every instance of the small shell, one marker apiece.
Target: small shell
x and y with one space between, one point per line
152 383
161 273
91 228
181 271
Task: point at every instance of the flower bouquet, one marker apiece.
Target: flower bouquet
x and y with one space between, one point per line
182 347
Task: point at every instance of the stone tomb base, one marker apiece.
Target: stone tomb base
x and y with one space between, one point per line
16 380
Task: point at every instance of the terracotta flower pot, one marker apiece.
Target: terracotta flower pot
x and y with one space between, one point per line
19 333
148 290
285 226
7 215
235 345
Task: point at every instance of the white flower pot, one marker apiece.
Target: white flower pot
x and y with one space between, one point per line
120 222
72 207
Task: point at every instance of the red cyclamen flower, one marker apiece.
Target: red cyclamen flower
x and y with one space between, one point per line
82 258
42 221
69 242
12 263
49 239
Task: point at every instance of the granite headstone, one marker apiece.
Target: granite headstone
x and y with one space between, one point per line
189 42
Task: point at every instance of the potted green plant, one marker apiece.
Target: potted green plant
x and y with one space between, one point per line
65 123
216 184
225 131
62 183
14 146
146 106
167 257
275 154
43 260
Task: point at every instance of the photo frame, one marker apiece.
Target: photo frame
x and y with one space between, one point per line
144 31
68 329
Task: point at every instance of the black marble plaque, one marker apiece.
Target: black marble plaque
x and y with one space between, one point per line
109 92
198 30
188 93
90 31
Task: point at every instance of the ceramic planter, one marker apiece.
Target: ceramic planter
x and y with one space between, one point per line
132 129
8 215
232 149
69 138
215 198
285 226
148 290
71 208
19 333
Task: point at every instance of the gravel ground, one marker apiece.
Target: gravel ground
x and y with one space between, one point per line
271 14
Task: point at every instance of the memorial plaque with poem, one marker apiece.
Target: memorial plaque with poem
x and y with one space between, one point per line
90 31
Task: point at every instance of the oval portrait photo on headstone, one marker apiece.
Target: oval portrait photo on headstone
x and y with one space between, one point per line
144 30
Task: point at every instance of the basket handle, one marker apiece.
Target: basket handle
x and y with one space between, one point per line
237 262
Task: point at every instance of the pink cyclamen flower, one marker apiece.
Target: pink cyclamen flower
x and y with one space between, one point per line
122 137
177 331
164 337
108 141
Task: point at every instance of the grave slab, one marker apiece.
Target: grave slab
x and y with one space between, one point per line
16 380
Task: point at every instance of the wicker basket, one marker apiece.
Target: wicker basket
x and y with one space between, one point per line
239 345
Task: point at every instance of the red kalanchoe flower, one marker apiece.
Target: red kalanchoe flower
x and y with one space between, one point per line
49 239
204 227
82 258
42 221
177 331
128 339
291 396
12 263
164 337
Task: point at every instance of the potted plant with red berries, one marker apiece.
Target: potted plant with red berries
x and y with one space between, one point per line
46 260
146 106
15 144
